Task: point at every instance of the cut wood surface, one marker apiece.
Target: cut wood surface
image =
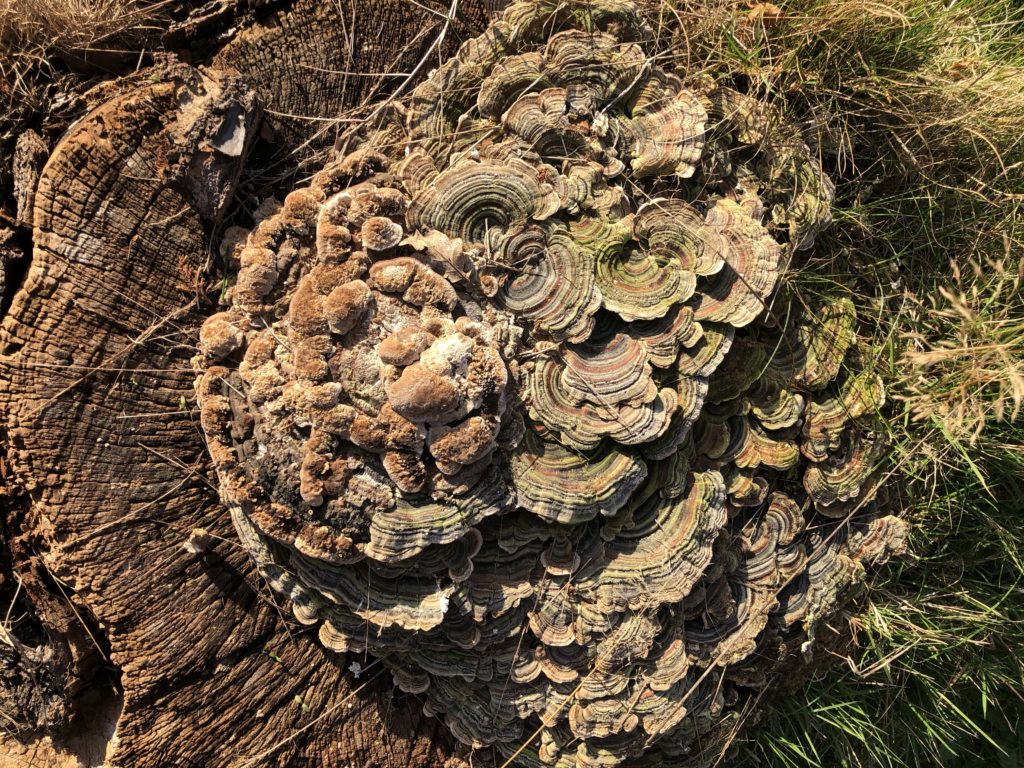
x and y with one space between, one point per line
123 525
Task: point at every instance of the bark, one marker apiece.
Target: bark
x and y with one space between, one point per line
128 557
13 249
30 153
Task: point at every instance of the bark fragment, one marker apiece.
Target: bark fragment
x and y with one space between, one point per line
30 152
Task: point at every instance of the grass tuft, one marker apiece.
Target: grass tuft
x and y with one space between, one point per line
38 38
964 365
916 108
66 24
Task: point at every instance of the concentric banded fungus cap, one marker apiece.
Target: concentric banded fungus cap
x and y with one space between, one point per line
508 398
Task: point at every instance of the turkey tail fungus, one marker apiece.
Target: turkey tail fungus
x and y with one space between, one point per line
509 400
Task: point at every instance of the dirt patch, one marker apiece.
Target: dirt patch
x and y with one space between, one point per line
85 744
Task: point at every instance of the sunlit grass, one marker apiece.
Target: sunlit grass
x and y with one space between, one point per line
35 35
917 110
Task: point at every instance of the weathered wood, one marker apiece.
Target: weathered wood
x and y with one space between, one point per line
43 649
12 250
97 411
30 152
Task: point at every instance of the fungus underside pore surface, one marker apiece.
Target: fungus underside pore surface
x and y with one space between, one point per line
512 398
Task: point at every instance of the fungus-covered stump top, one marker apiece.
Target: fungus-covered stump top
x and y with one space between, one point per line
510 397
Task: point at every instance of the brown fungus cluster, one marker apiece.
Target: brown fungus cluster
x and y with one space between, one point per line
510 397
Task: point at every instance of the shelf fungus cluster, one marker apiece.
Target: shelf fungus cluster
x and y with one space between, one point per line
511 398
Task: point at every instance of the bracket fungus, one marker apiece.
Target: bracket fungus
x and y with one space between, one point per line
512 398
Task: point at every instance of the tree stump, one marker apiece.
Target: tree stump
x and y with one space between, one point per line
116 546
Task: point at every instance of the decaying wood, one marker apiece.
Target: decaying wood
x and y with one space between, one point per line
30 153
35 657
99 422
119 558
12 249
98 418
